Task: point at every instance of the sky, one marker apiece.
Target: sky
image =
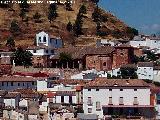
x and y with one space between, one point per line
143 15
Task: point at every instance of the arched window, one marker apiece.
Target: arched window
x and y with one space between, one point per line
44 39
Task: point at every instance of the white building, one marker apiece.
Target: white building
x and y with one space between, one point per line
43 39
11 99
105 42
145 70
151 42
106 97
156 74
15 82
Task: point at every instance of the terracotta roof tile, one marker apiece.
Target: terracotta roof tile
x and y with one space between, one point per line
80 52
104 82
70 82
19 78
145 64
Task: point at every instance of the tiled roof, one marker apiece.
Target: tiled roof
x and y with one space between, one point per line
27 93
129 65
104 82
68 93
145 64
19 79
11 95
39 47
70 82
80 52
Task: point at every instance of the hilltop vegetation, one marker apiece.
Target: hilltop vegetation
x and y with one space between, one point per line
70 21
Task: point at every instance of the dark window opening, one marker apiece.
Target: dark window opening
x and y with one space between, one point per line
70 99
44 39
62 99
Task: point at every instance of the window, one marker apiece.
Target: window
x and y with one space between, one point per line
18 84
94 62
7 83
121 89
32 83
110 89
104 64
110 101
11 83
89 89
89 101
135 102
70 99
89 110
39 39
23 84
135 89
46 51
62 99
2 83
56 41
97 89
98 106
44 39
121 101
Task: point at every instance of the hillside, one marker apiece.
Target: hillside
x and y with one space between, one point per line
112 27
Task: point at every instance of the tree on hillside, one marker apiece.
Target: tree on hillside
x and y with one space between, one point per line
10 43
68 5
77 27
22 14
24 4
22 57
52 12
69 26
37 17
14 27
83 9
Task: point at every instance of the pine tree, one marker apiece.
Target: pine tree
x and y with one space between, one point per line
10 43
22 14
14 28
52 12
69 26
83 9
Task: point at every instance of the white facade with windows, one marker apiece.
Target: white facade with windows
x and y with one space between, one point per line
145 71
97 98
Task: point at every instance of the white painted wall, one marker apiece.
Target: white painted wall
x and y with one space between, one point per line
156 76
103 95
10 102
41 35
145 73
23 103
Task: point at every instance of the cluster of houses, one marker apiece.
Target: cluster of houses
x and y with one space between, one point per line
87 95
